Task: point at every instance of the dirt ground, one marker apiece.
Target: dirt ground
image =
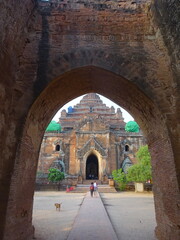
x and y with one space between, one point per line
132 215
51 224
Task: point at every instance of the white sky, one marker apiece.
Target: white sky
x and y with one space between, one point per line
127 117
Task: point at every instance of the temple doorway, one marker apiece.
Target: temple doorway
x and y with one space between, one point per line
92 168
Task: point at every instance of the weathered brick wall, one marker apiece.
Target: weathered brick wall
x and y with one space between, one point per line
166 15
81 34
131 62
16 28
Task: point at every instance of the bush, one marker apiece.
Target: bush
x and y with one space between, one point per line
140 172
55 175
120 177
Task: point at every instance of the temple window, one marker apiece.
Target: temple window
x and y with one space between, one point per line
58 147
126 148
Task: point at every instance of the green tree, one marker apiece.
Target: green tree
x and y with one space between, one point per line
120 177
141 171
55 175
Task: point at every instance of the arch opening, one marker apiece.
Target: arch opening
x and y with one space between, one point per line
123 92
92 167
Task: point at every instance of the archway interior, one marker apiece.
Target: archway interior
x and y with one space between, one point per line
114 87
92 167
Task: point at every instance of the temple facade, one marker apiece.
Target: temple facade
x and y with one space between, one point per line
92 142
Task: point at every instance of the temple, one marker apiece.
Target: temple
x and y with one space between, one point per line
91 142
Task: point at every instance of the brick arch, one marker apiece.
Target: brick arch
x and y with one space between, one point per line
68 86
119 63
131 64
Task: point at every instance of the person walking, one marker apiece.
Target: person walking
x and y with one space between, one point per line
95 188
92 189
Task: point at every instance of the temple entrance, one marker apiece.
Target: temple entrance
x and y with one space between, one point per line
92 168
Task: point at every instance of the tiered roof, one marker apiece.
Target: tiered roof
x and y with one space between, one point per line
91 106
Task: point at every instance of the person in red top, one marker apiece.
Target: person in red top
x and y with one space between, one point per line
92 189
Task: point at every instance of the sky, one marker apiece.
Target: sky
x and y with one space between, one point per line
127 117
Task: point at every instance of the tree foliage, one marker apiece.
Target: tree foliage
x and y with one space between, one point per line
141 171
120 177
55 175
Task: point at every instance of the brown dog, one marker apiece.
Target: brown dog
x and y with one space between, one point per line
58 206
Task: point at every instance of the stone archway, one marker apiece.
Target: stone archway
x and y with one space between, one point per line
92 167
137 41
124 93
